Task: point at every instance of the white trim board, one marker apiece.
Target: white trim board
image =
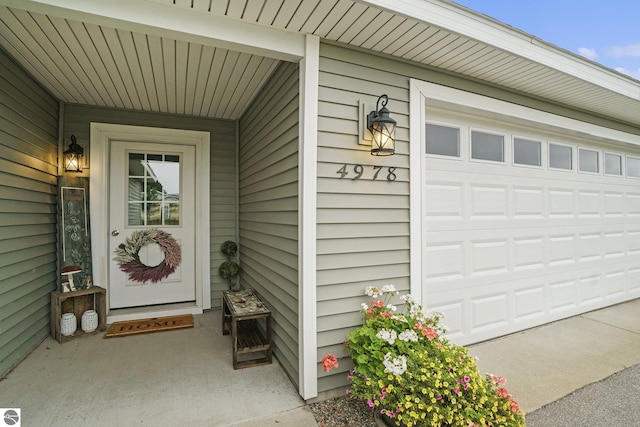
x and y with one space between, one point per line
101 135
443 96
307 194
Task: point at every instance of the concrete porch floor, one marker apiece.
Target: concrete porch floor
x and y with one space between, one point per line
182 377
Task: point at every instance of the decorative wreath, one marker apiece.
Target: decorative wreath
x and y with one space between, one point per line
127 255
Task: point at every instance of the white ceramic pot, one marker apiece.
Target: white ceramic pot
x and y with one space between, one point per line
68 324
89 322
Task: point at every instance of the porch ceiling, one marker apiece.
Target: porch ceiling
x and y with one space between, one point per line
109 64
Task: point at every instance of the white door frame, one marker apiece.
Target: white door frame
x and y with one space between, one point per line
101 136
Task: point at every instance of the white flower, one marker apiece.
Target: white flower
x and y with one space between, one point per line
365 306
392 307
388 336
408 335
372 291
407 298
399 317
389 289
395 365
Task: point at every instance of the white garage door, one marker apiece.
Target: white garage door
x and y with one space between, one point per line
523 226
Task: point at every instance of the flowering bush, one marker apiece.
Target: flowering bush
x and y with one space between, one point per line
406 370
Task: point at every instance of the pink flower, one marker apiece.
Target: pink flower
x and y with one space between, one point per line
503 392
430 332
371 404
329 361
378 304
386 314
515 407
456 390
498 380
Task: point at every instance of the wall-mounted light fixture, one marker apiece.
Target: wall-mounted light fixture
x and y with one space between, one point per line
73 157
382 128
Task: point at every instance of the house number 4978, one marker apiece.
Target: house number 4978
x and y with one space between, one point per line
359 172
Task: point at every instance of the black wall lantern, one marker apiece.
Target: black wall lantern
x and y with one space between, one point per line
73 157
382 128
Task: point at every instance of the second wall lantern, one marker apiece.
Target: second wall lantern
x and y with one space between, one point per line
382 128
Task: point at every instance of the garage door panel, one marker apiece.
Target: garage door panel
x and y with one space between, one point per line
529 303
445 261
589 203
591 290
563 295
489 257
488 201
614 284
445 201
590 247
489 312
632 204
507 247
561 203
634 242
633 281
529 253
528 202
614 206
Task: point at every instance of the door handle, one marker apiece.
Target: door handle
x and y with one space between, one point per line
115 233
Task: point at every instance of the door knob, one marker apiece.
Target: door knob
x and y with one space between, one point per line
115 232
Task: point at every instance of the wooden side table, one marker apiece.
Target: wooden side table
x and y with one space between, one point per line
241 311
77 302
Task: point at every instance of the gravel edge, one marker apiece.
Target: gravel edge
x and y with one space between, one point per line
343 411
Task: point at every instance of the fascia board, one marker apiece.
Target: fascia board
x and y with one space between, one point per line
468 23
174 22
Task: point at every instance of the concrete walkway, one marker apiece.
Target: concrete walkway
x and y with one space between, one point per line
185 377
546 363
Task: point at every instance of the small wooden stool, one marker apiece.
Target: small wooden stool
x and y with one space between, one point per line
241 311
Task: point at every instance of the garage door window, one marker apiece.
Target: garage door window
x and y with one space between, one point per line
560 157
487 146
588 161
633 167
526 152
443 140
612 164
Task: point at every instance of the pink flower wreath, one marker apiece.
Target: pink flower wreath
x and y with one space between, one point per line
127 255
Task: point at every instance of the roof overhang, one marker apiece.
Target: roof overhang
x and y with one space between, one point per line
69 45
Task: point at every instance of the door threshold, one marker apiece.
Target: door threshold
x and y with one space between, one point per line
135 313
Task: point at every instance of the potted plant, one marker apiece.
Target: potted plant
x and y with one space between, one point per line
229 269
411 375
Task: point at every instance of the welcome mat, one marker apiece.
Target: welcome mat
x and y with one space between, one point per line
145 326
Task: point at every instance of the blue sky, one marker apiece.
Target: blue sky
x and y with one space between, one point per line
605 31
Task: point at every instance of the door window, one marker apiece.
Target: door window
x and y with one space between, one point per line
153 189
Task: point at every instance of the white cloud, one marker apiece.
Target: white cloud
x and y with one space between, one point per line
623 51
635 74
588 53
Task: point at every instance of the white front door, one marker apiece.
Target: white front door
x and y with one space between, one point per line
152 188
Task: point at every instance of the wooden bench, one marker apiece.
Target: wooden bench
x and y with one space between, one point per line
242 312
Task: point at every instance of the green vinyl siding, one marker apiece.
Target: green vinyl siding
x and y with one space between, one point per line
362 225
268 199
28 195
